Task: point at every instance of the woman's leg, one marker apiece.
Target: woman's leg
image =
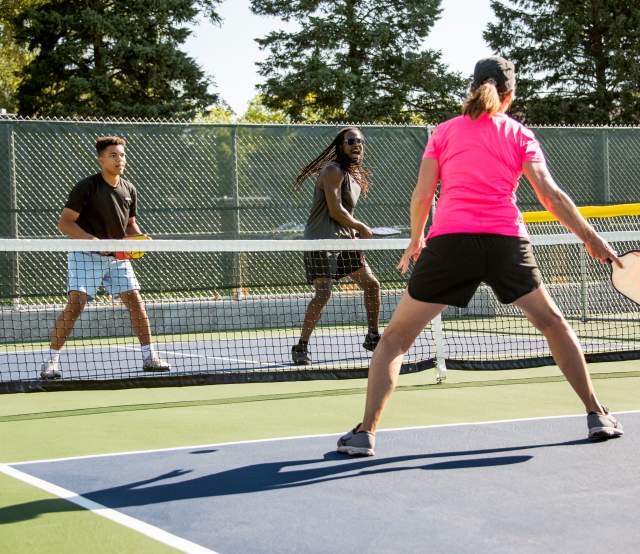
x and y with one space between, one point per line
409 319
543 313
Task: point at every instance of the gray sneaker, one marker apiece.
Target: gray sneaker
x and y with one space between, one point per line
357 443
603 427
50 370
155 363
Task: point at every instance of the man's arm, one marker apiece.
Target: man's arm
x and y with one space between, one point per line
331 178
132 227
67 223
562 207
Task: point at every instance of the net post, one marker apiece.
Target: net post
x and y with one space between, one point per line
438 339
437 329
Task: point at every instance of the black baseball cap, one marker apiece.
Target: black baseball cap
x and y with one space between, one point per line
497 68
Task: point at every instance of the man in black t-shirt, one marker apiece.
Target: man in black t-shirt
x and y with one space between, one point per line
102 206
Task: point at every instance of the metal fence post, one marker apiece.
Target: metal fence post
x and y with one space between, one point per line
8 193
238 258
606 184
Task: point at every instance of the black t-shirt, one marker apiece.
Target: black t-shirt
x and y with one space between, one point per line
104 210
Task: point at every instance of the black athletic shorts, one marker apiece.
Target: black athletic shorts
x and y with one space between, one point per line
451 267
332 264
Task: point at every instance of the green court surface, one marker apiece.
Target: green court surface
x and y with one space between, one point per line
62 424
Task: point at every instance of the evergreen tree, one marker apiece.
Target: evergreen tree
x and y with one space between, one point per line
13 57
106 58
578 61
356 60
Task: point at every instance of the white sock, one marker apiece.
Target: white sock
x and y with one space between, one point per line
147 351
54 355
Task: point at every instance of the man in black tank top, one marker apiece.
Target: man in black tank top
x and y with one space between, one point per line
102 206
341 179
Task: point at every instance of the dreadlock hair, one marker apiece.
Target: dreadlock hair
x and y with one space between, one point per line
335 153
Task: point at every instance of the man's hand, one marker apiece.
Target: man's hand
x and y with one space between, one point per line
364 232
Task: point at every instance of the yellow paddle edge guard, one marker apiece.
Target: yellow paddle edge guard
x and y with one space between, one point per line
132 255
614 210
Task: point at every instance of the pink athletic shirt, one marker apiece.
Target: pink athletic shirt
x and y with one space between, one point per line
480 162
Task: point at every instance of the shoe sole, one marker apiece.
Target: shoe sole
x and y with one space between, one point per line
154 370
356 451
50 377
604 433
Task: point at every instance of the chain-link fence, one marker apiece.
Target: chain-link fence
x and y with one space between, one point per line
196 180
235 181
232 181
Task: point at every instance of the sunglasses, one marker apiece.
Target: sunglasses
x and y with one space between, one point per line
352 141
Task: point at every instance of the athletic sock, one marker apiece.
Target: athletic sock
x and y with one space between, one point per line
147 351
54 355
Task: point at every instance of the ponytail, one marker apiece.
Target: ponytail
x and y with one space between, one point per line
483 99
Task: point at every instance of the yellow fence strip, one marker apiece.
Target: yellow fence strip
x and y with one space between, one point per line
616 210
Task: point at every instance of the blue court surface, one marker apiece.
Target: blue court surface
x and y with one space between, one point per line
525 486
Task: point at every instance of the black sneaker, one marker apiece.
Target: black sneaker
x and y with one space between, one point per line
300 355
371 341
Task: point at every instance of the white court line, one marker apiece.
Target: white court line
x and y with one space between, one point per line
134 348
173 353
108 513
298 437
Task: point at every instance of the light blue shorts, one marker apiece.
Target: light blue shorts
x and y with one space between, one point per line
87 272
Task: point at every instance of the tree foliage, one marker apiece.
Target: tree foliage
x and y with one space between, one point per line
13 57
257 112
356 60
578 61
109 58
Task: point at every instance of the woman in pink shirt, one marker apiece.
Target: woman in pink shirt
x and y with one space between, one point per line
478 235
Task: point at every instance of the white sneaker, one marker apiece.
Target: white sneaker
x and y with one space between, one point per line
50 370
155 363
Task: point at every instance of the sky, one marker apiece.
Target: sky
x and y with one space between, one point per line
228 53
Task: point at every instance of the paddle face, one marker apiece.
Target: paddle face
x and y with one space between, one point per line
385 231
627 279
132 255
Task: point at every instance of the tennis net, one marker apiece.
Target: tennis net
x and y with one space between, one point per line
230 311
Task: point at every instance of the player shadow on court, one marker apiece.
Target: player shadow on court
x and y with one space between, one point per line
267 476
